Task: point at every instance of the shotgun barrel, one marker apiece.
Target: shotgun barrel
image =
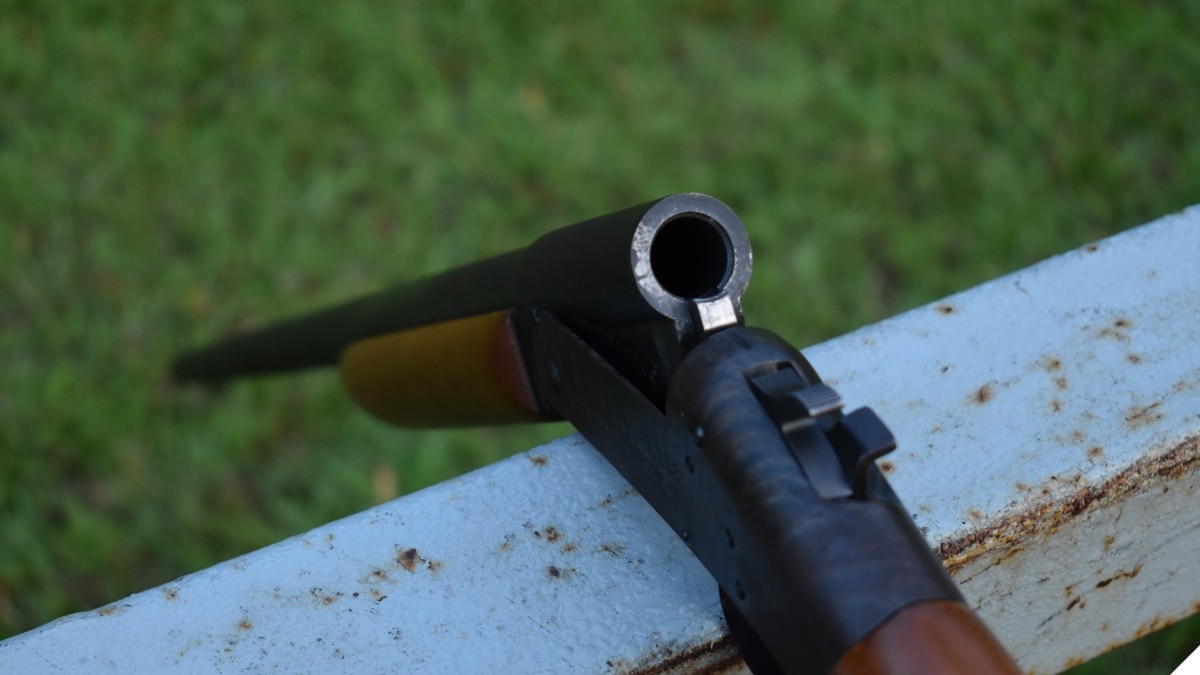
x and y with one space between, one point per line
637 264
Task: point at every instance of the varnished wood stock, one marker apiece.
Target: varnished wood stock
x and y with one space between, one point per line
929 638
462 372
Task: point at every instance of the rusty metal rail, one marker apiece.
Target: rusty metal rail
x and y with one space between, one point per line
1049 430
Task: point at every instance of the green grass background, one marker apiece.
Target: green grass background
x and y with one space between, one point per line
172 171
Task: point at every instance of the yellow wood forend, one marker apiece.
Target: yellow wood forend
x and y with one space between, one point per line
462 372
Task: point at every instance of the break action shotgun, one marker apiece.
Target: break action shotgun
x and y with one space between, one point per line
630 326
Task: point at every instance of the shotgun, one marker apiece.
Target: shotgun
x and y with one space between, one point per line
630 326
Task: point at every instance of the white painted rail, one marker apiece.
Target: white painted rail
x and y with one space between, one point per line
1049 430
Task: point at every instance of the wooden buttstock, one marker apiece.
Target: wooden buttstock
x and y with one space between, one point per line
929 638
461 372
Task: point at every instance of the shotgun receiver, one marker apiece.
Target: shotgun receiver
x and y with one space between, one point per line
630 327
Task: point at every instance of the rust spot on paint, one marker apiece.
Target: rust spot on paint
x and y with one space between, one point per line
1060 382
1119 576
550 533
1117 330
1009 530
708 658
539 460
1056 405
377 595
1078 660
170 594
555 572
325 597
1157 623
983 394
1142 416
245 624
975 515
612 549
1091 248
378 575
1108 542
409 559
1095 452
1050 363
946 310
1071 605
569 548
1012 552
107 611
607 502
887 467
434 566
1133 358
1077 437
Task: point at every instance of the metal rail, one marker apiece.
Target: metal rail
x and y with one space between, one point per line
1049 432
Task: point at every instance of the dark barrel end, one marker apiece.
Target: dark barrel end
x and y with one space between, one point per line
690 247
691 257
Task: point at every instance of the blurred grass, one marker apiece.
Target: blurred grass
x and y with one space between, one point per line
172 171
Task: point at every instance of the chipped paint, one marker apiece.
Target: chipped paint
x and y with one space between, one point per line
1143 415
452 580
716 657
1149 474
409 559
1067 415
1117 549
111 610
983 394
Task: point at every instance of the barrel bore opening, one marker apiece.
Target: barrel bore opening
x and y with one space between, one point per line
691 257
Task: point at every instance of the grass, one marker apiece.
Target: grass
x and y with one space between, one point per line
171 171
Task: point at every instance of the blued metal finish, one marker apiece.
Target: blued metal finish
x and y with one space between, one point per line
812 575
607 270
782 394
